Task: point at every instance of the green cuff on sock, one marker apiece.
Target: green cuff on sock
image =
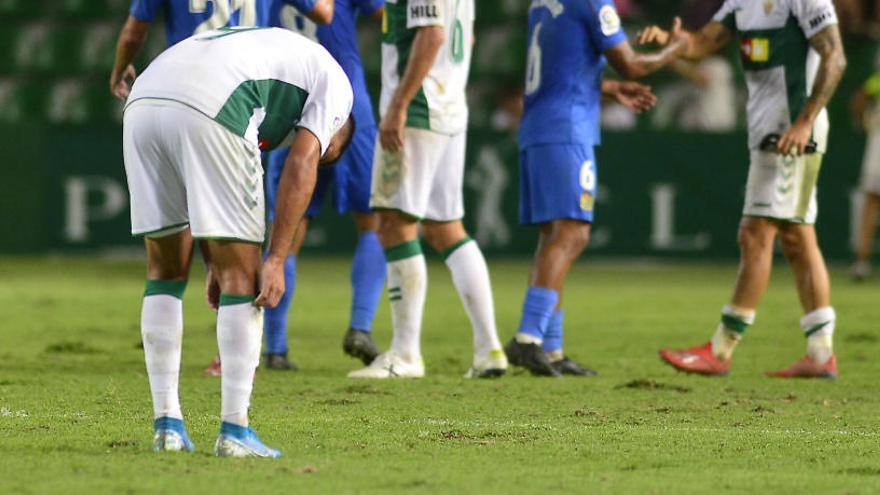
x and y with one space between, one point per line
733 323
232 299
403 251
174 288
446 253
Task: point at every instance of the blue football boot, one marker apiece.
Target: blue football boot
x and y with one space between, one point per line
171 436
241 441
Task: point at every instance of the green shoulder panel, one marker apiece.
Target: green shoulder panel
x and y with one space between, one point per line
283 103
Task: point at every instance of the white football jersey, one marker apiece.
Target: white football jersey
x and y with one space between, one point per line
260 83
441 103
780 65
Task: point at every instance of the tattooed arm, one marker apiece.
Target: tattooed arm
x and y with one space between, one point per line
830 48
698 45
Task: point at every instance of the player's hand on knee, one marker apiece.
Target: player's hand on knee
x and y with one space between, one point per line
271 284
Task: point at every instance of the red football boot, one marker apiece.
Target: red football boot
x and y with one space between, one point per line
213 369
807 368
699 360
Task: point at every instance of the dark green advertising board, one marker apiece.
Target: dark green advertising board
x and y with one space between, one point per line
661 194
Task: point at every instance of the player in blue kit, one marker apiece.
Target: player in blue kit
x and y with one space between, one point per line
333 24
569 41
183 18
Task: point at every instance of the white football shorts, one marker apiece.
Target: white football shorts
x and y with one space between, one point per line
425 179
185 169
783 187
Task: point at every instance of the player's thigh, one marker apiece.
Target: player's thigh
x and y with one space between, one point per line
402 179
557 181
169 256
446 197
224 181
782 187
870 177
354 173
156 186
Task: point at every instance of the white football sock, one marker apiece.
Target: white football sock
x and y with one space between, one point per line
818 326
162 332
470 275
239 334
407 286
734 322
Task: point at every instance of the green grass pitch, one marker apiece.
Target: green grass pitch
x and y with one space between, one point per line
75 415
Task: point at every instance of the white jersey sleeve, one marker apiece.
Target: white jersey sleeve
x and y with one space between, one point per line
814 15
726 14
421 13
328 104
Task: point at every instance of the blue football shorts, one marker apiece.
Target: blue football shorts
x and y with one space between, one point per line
557 181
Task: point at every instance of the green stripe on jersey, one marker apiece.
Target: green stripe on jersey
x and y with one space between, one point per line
785 47
283 103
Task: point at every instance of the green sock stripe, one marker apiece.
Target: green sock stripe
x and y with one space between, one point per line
232 299
173 288
395 297
815 328
734 323
403 251
451 249
394 289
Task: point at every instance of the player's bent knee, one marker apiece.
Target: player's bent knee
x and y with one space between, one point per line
574 235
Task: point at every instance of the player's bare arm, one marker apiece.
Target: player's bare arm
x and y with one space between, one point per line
828 44
131 40
635 96
322 13
634 65
294 191
697 45
426 46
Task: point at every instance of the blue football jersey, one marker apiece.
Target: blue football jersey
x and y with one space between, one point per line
183 18
339 38
567 39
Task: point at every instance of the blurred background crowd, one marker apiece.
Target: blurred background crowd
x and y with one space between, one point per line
57 54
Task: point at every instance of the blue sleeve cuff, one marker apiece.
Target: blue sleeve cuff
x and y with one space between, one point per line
144 10
613 40
304 6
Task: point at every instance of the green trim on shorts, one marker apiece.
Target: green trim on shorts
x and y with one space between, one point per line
403 251
229 239
154 232
174 288
446 253
232 299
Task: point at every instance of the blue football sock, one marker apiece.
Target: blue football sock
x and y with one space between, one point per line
553 336
537 311
275 319
367 280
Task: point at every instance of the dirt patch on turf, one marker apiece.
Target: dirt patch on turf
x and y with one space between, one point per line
364 389
482 438
338 402
71 348
861 338
119 444
643 384
862 471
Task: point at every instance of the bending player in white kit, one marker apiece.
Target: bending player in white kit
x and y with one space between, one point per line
194 127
